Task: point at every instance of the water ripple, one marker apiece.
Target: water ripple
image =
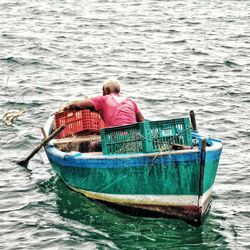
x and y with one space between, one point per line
171 57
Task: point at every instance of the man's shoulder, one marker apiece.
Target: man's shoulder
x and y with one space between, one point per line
95 98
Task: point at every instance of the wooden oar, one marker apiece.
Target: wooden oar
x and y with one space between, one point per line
43 143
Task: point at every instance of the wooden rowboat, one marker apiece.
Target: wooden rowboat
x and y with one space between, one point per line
173 183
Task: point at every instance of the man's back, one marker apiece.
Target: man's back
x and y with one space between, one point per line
115 110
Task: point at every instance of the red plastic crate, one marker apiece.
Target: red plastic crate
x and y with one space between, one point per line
78 122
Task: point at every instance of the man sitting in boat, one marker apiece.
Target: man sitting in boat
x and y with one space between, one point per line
114 109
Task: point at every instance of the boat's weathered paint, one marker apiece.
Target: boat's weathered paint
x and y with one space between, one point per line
176 206
166 183
173 184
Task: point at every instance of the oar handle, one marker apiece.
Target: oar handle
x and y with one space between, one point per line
193 121
53 135
44 142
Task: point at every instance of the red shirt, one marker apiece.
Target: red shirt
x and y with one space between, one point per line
115 110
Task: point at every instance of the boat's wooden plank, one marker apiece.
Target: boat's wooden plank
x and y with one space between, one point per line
77 139
76 143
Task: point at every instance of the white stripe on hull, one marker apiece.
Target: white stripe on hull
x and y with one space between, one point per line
164 200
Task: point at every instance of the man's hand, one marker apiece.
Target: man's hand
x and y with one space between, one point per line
79 105
72 106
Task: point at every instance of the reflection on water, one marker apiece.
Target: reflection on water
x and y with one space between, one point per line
103 225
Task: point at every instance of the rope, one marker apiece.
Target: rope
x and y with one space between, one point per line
169 142
168 148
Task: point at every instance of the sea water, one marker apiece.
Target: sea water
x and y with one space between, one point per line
171 57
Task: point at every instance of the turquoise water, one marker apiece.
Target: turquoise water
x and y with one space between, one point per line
171 57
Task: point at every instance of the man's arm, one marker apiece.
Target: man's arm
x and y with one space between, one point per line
139 117
85 104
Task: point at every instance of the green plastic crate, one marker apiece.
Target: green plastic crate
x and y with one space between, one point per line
122 139
148 136
159 135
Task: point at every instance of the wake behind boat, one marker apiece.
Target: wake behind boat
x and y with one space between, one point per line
152 168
